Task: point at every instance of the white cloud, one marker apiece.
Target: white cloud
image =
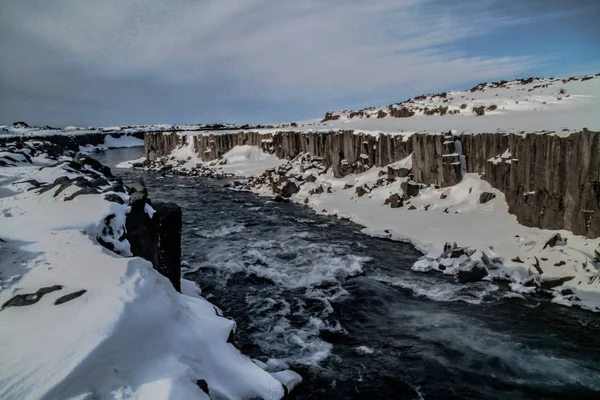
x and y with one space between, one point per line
276 49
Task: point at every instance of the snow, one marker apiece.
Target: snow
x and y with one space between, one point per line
122 142
129 335
246 161
130 163
528 107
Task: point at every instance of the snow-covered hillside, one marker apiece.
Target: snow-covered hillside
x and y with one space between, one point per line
81 321
532 104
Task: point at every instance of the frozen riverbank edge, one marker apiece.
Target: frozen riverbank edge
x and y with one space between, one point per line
83 318
464 230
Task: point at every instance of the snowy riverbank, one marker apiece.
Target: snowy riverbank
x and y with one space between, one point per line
491 244
79 320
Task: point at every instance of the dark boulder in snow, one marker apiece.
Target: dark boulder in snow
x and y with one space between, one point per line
410 188
85 160
28 299
473 273
556 240
69 297
395 201
168 217
550 283
486 196
311 178
114 198
288 189
397 172
361 191
117 187
87 190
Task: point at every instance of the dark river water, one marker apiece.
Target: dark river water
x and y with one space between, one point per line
346 312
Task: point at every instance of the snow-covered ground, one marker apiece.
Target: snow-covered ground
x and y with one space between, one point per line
111 142
542 104
80 321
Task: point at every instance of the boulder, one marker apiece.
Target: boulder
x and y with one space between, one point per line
84 160
289 188
395 201
556 240
87 190
168 217
114 198
473 273
397 172
311 178
28 299
551 282
410 188
361 191
486 196
317 190
69 297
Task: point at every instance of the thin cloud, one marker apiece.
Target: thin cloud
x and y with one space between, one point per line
223 54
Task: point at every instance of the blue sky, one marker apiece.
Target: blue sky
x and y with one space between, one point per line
84 62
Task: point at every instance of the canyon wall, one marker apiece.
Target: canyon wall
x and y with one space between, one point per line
550 181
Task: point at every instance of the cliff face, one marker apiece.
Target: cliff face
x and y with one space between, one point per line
550 182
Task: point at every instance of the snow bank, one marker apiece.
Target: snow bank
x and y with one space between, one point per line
122 142
122 331
246 161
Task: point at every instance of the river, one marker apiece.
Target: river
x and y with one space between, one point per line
345 311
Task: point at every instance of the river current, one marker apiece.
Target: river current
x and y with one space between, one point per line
345 311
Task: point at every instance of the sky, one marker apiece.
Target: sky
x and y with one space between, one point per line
121 62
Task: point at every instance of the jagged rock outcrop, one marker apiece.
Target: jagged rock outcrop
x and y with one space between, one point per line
154 233
549 181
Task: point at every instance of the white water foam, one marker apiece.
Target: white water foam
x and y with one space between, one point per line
224 230
474 293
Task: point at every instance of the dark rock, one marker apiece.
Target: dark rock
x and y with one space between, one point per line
84 160
114 198
395 201
69 297
486 196
138 199
83 191
412 208
280 199
560 263
556 240
517 260
117 187
566 292
289 189
348 186
311 178
63 182
397 172
169 219
138 186
98 182
550 283
28 299
32 182
317 190
361 191
203 385
410 188
477 272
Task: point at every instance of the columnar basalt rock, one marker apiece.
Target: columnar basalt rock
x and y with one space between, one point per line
549 181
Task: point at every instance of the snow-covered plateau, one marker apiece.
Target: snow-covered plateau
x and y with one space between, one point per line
499 182
83 319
